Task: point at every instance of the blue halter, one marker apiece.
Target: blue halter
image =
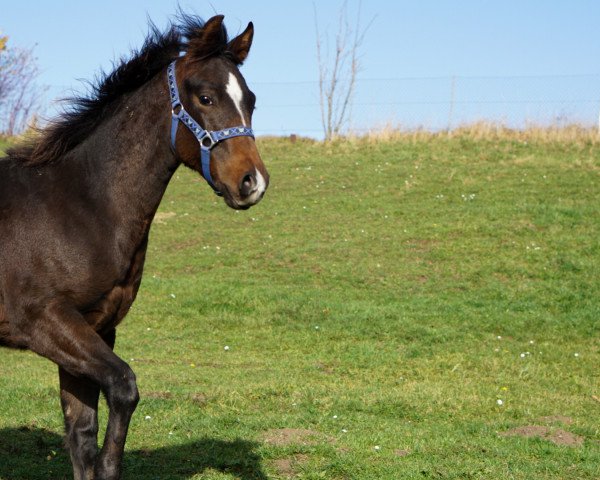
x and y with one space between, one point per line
206 138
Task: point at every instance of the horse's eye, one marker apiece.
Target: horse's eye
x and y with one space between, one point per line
204 100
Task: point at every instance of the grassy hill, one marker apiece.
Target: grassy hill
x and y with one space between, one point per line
421 307
3 145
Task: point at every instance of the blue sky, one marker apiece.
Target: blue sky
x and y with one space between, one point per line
424 43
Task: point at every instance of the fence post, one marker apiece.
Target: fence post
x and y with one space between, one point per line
451 109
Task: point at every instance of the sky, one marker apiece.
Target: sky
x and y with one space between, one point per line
421 61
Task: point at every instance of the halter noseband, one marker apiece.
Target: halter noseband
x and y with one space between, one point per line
206 138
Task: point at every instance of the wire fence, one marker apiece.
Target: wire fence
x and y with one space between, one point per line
429 103
435 103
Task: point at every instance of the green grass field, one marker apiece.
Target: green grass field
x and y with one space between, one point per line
425 307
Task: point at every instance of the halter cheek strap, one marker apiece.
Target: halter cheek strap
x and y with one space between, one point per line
206 138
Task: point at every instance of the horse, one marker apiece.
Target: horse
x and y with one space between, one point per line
77 203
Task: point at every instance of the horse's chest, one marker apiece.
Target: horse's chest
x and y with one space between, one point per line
111 308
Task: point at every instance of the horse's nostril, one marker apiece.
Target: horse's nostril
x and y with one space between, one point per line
248 185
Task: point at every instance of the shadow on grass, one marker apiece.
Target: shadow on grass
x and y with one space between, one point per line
36 454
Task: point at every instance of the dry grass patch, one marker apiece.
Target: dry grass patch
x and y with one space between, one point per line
557 436
487 131
288 467
281 437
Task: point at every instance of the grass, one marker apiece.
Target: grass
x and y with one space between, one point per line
377 305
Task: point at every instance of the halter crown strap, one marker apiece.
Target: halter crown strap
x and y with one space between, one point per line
206 138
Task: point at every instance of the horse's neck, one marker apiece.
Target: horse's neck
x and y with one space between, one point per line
132 151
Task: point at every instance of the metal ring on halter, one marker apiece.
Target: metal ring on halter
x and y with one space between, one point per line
209 137
176 106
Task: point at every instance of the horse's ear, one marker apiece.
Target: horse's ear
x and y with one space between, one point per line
209 38
213 31
240 45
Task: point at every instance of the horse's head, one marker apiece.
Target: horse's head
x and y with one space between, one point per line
214 94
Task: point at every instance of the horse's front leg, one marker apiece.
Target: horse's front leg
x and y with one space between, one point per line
62 335
122 397
79 401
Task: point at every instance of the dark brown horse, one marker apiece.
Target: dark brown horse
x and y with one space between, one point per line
76 207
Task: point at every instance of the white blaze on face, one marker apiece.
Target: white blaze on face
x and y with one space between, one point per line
234 90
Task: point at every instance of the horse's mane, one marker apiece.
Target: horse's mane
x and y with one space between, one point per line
84 113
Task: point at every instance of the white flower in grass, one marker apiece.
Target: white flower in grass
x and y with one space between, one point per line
500 402
148 417
377 448
226 348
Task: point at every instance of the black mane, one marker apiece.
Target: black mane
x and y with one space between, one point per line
85 113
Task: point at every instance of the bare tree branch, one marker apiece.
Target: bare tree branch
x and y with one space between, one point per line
337 79
322 70
20 97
